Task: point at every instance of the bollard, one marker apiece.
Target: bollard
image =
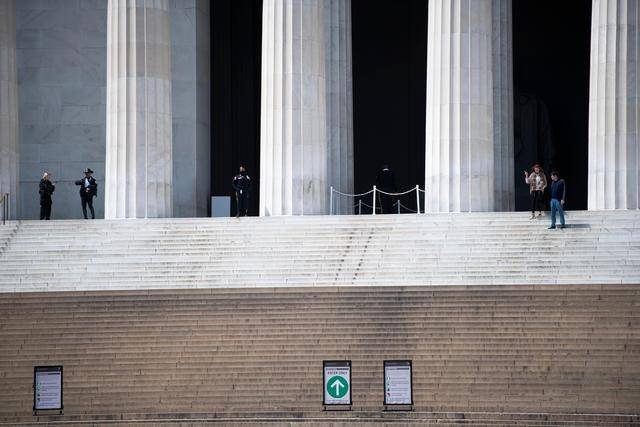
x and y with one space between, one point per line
331 201
374 200
418 198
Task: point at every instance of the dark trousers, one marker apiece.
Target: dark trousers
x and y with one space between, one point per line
536 201
386 203
88 201
45 211
243 204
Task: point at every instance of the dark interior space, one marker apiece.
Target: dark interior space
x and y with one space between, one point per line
389 88
551 42
236 57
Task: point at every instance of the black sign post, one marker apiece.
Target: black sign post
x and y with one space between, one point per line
398 384
336 384
47 389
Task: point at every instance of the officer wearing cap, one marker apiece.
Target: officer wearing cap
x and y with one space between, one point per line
242 186
88 190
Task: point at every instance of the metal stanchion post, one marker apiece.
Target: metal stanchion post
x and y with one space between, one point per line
359 206
418 198
398 203
374 200
331 201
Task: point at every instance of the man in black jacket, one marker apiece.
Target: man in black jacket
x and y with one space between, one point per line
558 193
46 190
88 190
242 186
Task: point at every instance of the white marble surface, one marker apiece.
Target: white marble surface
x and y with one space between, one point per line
61 53
339 99
191 78
306 143
9 153
459 167
614 152
502 56
139 171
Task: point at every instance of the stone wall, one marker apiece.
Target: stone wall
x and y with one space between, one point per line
191 81
61 51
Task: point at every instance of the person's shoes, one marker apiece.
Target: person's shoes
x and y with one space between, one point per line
553 227
563 226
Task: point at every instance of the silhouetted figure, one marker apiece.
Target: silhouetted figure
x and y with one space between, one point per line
242 186
88 190
533 143
46 189
386 181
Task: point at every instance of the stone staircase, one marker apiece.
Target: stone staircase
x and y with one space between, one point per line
482 355
196 321
385 250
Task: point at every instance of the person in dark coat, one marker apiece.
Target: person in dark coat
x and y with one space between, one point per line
88 190
386 181
242 186
46 190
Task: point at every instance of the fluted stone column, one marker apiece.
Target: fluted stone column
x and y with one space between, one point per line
469 129
614 155
502 56
139 135
306 116
459 138
9 152
339 98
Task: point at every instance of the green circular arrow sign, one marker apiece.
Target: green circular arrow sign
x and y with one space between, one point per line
337 387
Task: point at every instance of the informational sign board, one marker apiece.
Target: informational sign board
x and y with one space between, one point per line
47 388
337 382
397 382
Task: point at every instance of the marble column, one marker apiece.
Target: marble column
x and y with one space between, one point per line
9 153
138 165
191 99
306 116
459 164
502 68
614 155
339 99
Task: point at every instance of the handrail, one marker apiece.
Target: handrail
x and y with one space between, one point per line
375 190
4 201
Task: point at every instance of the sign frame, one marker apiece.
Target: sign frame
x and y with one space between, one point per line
336 363
399 362
50 368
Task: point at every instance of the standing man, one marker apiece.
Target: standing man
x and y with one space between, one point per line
558 191
88 190
242 186
46 190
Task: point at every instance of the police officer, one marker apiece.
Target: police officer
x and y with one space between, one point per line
46 189
88 190
242 186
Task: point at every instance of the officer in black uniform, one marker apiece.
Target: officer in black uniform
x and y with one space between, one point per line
242 186
46 189
88 190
